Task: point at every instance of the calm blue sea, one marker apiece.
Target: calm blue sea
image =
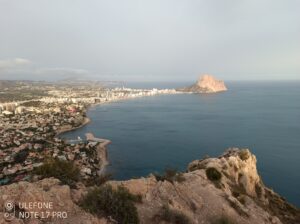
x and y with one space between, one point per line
151 133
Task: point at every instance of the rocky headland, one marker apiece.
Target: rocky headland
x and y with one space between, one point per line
206 84
227 189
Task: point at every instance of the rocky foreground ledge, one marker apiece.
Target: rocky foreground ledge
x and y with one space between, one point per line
212 190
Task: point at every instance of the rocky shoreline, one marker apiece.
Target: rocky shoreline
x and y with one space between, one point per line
63 130
101 151
101 148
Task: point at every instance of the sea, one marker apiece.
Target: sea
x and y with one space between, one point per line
152 133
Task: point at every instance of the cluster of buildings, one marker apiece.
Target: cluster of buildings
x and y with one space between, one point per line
27 138
29 129
104 95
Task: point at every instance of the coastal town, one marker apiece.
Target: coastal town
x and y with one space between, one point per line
30 128
37 164
149 112
34 114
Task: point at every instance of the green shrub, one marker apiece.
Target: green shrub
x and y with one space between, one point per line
223 220
171 175
213 174
172 216
98 180
258 190
117 203
244 154
67 172
21 156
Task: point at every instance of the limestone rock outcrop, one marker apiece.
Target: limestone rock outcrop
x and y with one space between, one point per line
206 84
212 190
239 195
63 209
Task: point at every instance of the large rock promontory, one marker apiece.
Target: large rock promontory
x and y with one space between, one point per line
206 84
212 190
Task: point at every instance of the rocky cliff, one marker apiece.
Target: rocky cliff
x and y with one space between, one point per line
226 189
206 84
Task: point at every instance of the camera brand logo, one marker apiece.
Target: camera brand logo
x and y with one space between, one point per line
32 210
9 210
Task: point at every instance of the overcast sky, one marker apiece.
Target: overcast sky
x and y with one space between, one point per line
154 40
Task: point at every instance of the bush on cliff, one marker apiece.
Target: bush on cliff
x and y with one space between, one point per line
170 175
171 216
21 156
213 174
67 172
98 180
117 203
223 220
244 154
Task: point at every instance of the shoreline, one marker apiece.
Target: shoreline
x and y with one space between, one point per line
101 147
86 120
101 151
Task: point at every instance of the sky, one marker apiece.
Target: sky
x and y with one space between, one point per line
155 40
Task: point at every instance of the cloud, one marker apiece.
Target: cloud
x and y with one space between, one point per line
157 40
14 63
21 68
61 73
